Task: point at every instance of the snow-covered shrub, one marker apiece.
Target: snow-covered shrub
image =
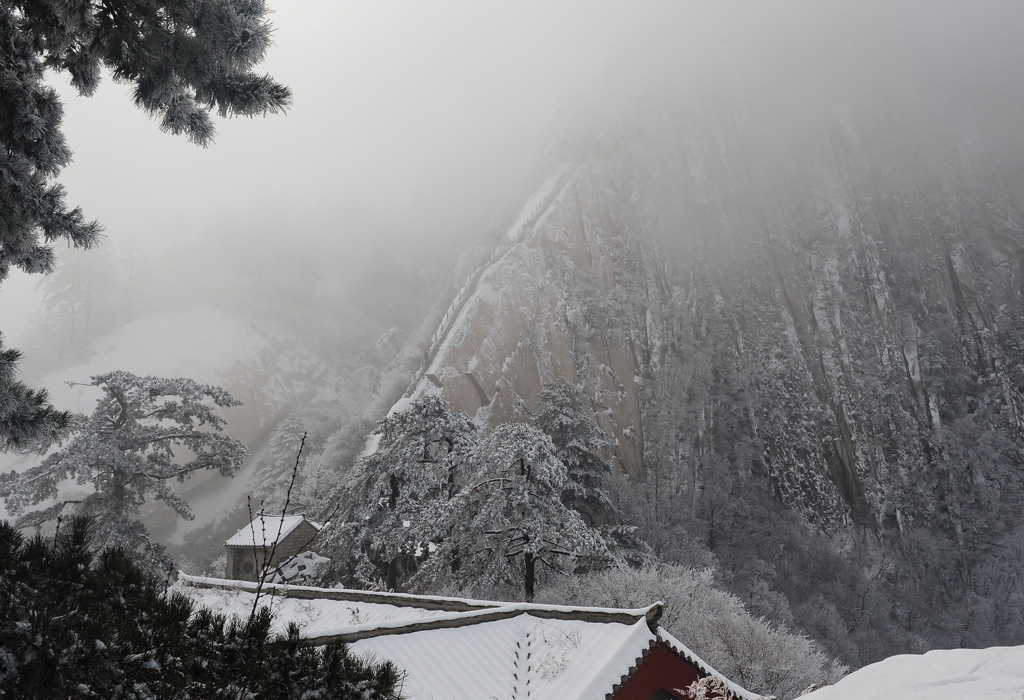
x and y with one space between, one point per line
764 658
707 688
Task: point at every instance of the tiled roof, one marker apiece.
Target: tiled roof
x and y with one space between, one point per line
460 648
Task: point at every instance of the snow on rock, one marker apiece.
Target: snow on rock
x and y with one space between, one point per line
534 206
996 673
403 404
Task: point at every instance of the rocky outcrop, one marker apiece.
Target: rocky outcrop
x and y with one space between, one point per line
733 313
523 318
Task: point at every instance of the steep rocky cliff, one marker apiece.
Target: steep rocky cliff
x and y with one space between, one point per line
821 313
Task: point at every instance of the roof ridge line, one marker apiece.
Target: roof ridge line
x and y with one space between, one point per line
652 612
399 600
475 617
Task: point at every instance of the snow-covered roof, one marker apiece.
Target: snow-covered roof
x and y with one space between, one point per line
996 673
462 648
263 530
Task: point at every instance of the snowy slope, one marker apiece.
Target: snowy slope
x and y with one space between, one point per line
996 673
200 344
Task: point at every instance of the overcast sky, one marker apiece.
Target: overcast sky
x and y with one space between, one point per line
414 119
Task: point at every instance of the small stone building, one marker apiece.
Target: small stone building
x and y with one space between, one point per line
252 549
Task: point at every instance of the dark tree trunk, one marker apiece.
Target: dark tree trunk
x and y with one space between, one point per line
530 574
392 579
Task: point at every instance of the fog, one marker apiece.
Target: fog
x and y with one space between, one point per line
416 127
413 122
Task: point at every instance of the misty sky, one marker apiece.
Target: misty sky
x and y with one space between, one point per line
414 120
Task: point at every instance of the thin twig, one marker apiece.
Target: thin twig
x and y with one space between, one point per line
261 579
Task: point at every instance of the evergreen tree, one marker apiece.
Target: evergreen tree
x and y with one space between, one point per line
77 623
183 58
397 493
511 518
27 420
563 416
126 450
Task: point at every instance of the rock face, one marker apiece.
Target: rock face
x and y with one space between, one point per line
796 318
519 321
825 318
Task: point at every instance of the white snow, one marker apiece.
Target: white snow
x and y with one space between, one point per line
403 404
371 445
263 530
491 650
317 617
505 658
533 204
996 673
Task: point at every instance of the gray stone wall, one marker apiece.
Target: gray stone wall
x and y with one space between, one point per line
243 563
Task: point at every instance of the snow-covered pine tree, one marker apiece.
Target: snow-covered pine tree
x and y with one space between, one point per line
183 58
27 420
511 517
563 416
395 494
144 433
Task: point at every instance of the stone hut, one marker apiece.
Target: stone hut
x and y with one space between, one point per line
252 548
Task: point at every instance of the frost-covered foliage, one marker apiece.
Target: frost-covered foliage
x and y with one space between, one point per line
707 688
437 507
563 416
393 497
510 519
762 657
145 433
80 623
183 59
27 420
303 568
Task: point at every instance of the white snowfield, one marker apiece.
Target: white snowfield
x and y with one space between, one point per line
947 674
467 649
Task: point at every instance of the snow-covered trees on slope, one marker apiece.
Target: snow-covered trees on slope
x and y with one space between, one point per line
77 623
144 433
579 440
183 59
510 518
762 657
437 506
395 495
